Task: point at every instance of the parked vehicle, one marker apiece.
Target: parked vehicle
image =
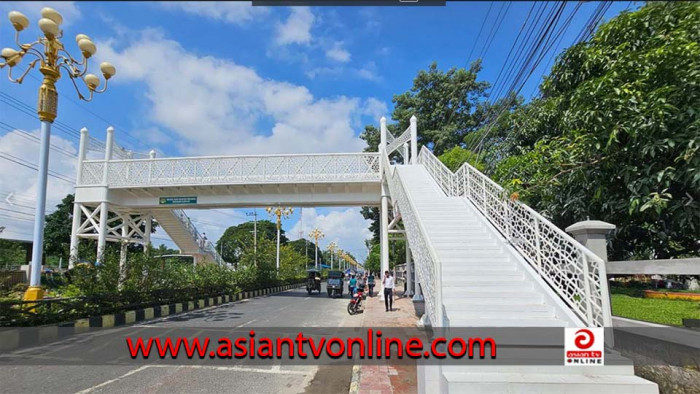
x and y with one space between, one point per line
335 284
313 281
355 304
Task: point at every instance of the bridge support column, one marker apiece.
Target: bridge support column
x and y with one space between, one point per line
74 240
409 271
77 213
102 232
418 296
384 235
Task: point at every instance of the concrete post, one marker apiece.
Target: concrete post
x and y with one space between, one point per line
384 234
409 271
104 207
382 132
414 139
418 296
592 234
77 213
406 154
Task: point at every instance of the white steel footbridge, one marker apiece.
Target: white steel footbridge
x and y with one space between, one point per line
480 258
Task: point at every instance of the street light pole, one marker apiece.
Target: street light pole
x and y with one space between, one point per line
331 249
316 234
279 212
49 54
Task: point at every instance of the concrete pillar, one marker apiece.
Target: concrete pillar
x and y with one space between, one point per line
406 154
414 139
409 271
418 296
384 234
102 232
77 213
592 234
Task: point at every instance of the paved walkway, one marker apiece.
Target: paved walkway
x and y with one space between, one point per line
387 378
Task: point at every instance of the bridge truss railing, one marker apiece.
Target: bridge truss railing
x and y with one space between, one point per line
190 171
204 245
575 273
428 269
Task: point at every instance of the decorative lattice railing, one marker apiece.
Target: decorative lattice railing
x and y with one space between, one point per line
428 270
334 167
575 273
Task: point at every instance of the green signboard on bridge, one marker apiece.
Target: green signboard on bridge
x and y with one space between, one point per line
177 200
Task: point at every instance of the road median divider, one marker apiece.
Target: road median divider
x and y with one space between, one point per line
12 338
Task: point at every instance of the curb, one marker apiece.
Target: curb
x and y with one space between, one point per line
12 338
355 381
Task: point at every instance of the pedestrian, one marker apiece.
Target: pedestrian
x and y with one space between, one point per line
352 285
204 240
388 283
405 282
370 282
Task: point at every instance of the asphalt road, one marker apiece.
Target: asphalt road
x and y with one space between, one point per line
293 309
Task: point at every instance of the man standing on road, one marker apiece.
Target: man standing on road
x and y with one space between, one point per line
388 283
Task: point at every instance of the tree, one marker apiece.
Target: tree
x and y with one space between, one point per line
373 260
615 133
455 157
448 105
11 252
238 238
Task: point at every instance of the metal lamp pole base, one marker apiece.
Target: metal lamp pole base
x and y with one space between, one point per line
34 292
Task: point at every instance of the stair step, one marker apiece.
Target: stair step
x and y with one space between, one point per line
505 308
509 297
527 383
468 321
488 283
456 291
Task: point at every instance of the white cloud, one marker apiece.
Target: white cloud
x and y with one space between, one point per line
338 53
32 9
238 13
297 28
368 72
346 227
22 182
214 105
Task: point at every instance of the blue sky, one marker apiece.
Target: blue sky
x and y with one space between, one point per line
228 78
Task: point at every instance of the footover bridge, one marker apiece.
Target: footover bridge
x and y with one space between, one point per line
480 258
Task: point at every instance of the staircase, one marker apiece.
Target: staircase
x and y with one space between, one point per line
182 231
476 277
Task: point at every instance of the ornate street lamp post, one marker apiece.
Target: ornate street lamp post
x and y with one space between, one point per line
316 234
331 249
279 212
50 54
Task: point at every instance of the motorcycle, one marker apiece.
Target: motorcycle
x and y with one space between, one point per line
355 303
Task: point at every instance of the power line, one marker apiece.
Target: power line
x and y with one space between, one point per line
483 23
489 40
24 163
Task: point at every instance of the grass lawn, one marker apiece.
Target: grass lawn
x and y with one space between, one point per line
668 312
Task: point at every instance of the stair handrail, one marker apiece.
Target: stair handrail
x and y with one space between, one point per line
204 246
428 266
575 273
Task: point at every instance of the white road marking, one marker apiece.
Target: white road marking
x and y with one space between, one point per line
93 388
273 371
246 323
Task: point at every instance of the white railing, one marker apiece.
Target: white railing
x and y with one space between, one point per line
204 246
575 273
428 268
333 167
397 142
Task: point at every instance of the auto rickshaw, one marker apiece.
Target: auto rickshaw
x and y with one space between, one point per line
335 283
313 281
